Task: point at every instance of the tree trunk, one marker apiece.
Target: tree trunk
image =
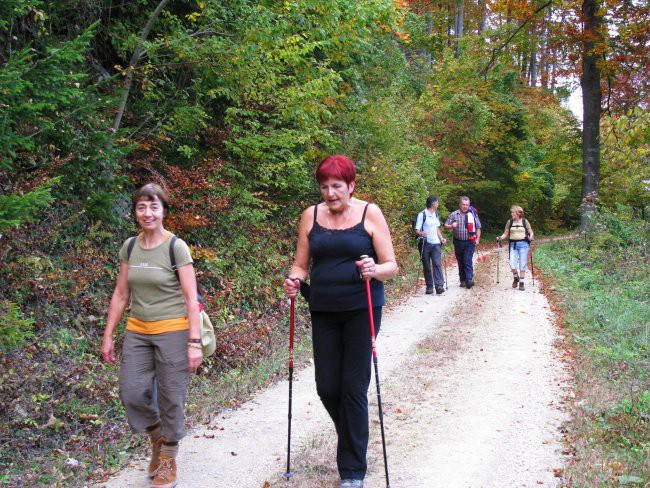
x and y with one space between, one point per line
483 11
544 65
591 110
458 25
135 59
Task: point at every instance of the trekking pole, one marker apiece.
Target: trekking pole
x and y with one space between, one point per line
444 257
374 360
498 258
289 474
532 268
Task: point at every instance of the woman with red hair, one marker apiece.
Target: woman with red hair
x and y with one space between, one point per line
346 241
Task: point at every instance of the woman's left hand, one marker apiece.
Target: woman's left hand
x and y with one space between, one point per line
367 267
194 358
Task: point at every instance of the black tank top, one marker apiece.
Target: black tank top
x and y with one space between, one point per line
336 285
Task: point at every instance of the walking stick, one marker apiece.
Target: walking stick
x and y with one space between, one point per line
498 258
374 360
444 257
288 474
532 268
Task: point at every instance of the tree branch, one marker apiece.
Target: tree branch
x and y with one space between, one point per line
135 58
487 67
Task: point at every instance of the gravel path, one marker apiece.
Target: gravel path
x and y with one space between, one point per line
472 385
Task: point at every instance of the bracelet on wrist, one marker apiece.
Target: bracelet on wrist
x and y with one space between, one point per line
194 345
194 341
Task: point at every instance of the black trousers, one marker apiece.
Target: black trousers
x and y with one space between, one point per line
342 362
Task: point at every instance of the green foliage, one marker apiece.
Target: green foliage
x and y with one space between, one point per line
603 284
625 171
15 329
16 210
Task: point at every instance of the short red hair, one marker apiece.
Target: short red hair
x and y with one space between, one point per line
339 167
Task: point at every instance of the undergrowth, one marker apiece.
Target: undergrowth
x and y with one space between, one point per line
61 420
601 284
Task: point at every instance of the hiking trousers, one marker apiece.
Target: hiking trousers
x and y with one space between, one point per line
432 258
342 364
519 255
154 375
464 251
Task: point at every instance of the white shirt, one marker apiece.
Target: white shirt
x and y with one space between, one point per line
431 225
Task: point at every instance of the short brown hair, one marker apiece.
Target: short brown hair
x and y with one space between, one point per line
150 192
518 209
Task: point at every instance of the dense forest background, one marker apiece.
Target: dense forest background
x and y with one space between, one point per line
230 105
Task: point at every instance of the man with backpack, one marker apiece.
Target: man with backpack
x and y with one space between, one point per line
466 227
430 241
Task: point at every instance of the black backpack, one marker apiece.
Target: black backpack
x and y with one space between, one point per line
418 239
199 290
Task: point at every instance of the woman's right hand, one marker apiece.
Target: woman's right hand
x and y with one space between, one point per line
291 287
108 349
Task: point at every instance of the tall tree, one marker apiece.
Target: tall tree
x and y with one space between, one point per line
459 17
591 109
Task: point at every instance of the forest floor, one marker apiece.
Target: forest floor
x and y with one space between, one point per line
474 383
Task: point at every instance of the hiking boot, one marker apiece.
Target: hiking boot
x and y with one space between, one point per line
429 291
166 473
463 284
440 290
515 280
155 457
521 286
470 283
351 484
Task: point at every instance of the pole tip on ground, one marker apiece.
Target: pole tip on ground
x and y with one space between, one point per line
288 475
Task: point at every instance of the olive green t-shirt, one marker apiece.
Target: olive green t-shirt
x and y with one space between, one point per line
155 291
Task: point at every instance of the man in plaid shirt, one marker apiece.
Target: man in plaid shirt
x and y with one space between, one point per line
466 227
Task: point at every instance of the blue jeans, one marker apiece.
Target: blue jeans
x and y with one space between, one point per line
464 251
519 255
432 255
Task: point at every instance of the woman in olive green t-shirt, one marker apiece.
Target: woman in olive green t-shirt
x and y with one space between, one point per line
162 342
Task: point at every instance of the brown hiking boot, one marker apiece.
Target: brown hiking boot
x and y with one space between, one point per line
521 286
515 281
166 473
155 457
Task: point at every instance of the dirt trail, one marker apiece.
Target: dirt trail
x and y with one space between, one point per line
472 384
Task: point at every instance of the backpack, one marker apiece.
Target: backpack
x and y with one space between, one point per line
525 224
418 239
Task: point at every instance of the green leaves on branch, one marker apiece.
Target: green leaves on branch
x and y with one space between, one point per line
16 210
15 329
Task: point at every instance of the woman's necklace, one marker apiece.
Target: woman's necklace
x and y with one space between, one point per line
341 226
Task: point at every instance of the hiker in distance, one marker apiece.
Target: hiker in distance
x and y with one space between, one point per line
332 236
427 227
162 342
466 228
519 232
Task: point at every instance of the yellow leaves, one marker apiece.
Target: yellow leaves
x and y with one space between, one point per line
39 15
